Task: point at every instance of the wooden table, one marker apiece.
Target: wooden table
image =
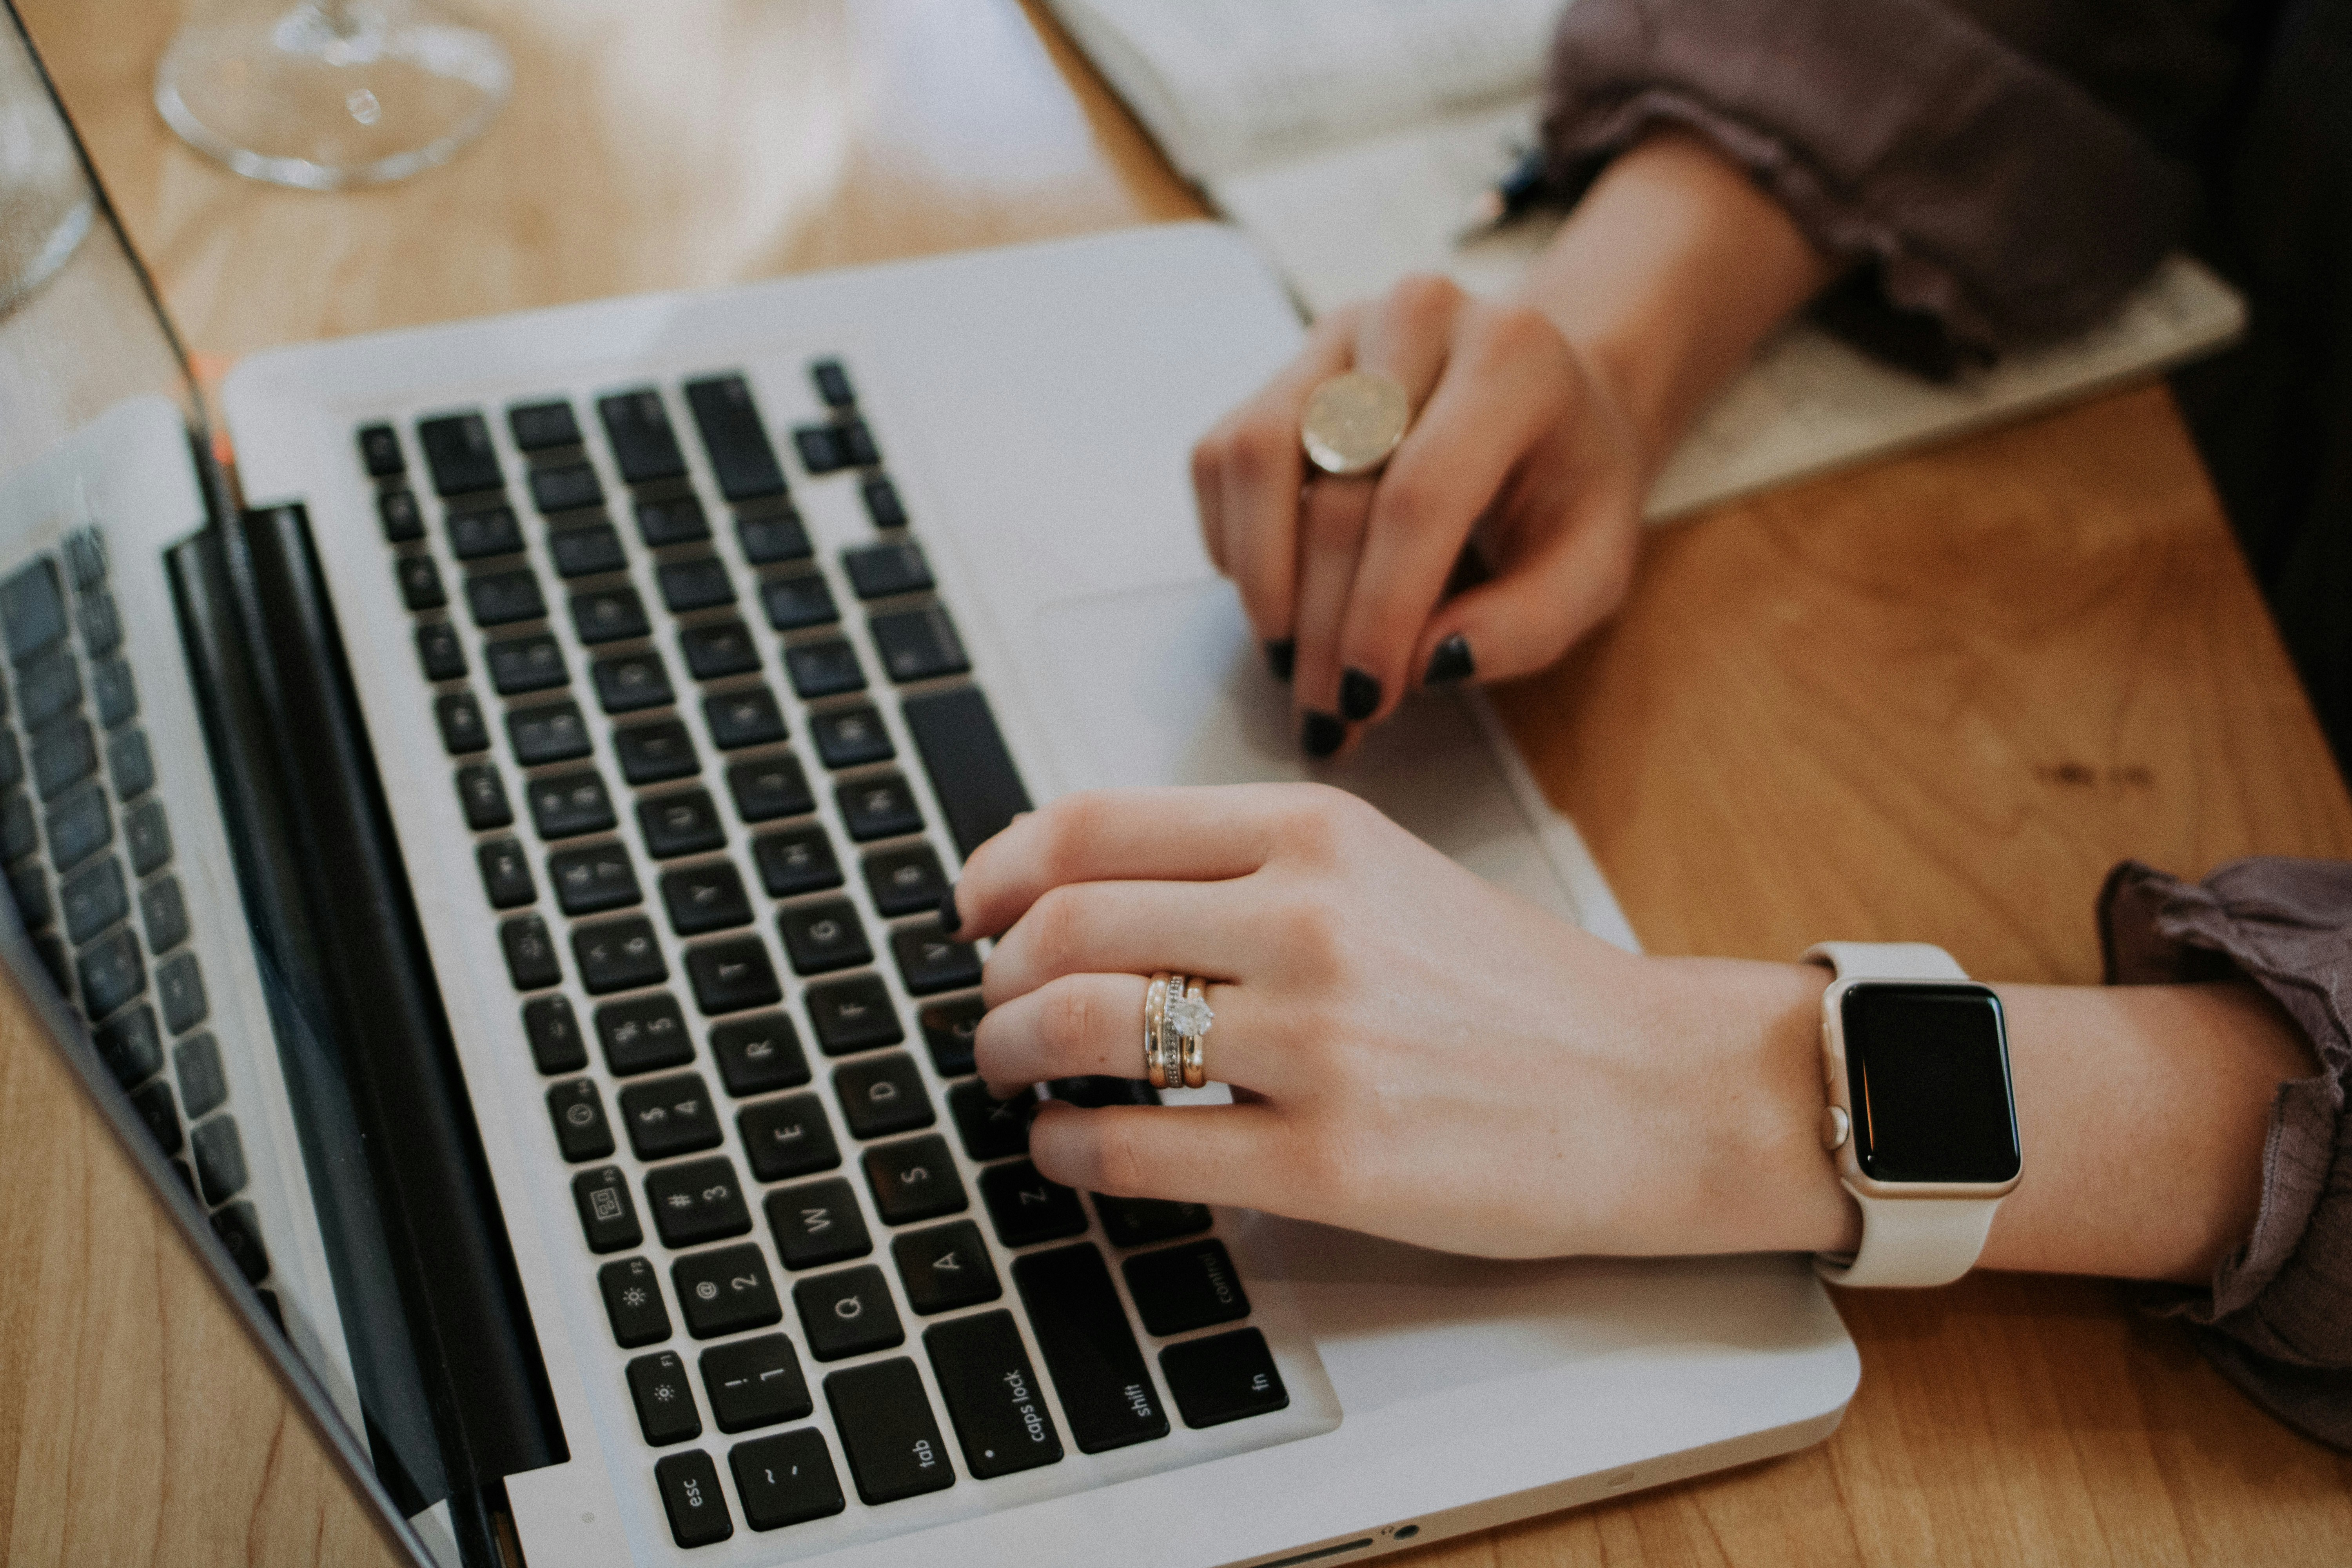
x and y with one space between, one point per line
1935 700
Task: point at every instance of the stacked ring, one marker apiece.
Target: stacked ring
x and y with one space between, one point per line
1190 1020
1155 1016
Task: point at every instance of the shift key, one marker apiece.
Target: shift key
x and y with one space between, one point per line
1106 1390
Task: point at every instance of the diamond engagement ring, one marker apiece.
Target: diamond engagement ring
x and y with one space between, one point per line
1353 421
1188 1018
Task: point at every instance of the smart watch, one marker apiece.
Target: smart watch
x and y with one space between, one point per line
1921 1117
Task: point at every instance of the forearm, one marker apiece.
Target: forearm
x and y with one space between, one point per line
1668 274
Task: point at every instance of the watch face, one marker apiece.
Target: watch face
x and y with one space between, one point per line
1928 1068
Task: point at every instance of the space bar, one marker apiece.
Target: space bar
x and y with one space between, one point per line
971 773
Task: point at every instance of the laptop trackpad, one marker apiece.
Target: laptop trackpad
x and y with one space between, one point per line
1167 685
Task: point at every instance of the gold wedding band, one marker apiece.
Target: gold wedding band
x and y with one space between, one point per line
1353 421
1155 1016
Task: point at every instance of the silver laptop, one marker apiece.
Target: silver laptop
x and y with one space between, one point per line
488 870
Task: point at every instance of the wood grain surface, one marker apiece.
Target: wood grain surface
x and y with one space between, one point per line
1934 699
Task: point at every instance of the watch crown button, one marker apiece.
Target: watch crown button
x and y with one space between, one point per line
1835 1125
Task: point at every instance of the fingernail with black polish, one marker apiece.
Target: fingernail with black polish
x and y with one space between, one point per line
950 921
1359 696
1321 734
1451 661
1280 654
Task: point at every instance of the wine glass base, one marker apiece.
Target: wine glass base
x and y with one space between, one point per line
329 97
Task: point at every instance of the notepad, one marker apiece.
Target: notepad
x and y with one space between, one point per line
1349 138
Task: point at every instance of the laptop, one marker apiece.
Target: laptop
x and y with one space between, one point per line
486 868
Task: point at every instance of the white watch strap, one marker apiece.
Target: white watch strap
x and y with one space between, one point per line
1905 1241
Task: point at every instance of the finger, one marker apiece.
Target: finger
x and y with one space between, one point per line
1209 489
1197 834
1125 928
1092 1024
1191 1153
1534 610
1260 470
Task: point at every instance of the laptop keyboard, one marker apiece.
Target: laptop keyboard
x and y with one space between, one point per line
90 862
830 1270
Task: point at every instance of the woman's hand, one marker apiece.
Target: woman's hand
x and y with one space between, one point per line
1517 442
1416 1053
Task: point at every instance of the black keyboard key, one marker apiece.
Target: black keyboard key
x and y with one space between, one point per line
971 770
586 550
991 1129
796 604
1090 1352
633 1302
930 961
196 1062
606 1215
644 446
945 1267
79 828
519 665
724 1292
46 685
882 807
947 1029
63 755
1224 1377
1027 1208
554 1034
826 668
461 718
33 610
848 1313
145 834
668 1116
506 874
52 952
112 972
700 583
797 861
851 737
152 1102
219 1158
457 450
578 1112
565 804
631 682
892 1443
420 583
696 1202
882 503
483 797
131 1046
440 651
858 444
644 1035
686 823
380 450
754 1382
502 598
664 1401
112 691
772 535
565 487
705 898
741 457
538 426
766 788
878 571
993 1398
789 1137
20 833
86 560
918 644
759 1054
882 1095
530 953
12 760
671 520
403 523
905 881
655 754
31 890
915 1180
618 956
101 624
820 448
239 1230
853 1014
593 880
747 717
1185 1288
93 899
832 383
729 976
484 533
690 1496
608 614
785 1480
821 937
718 648
817 1223
1138 1222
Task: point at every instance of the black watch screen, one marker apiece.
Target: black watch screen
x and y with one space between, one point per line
1927 1069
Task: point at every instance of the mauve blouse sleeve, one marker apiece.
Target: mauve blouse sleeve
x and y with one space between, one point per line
2277 1319
1988 194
